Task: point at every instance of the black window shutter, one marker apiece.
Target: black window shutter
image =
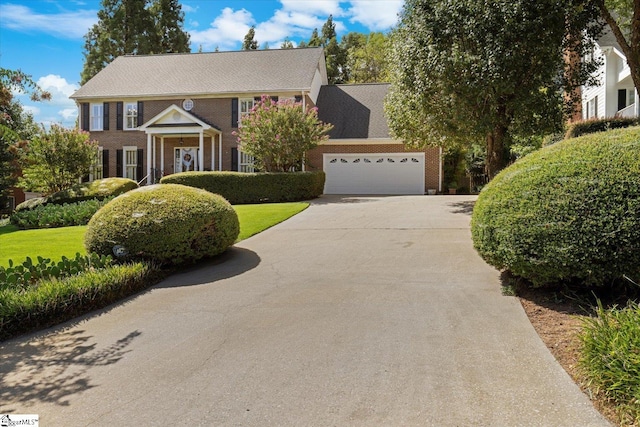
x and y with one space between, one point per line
119 163
119 118
85 116
140 113
274 98
139 168
622 98
298 98
105 163
234 112
234 159
105 116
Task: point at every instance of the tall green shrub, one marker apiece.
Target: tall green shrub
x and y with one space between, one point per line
570 211
57 159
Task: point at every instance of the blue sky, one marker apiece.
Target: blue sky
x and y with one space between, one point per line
44 38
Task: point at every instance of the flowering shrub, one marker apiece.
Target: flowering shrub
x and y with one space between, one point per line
277 134
57 159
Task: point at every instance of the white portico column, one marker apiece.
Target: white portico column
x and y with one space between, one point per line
149 158
161 156
201 151
213 153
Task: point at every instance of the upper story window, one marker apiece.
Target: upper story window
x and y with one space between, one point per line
131 115
246 104
95 116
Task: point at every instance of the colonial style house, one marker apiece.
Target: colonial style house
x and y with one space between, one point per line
615 96
162 114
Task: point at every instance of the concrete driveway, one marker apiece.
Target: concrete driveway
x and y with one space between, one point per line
363 311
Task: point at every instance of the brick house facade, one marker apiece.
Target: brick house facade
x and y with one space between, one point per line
161 114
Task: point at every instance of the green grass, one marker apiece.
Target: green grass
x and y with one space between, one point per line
257 218
610 358
52 243
55 242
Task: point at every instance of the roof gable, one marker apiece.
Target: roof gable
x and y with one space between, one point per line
192 74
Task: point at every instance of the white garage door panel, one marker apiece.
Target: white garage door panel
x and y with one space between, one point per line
385 173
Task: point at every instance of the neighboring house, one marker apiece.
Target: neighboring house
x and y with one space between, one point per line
161 114
615 96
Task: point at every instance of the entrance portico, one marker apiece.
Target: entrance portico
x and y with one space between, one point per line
172 126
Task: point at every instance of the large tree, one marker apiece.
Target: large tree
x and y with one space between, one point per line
470 71
367 62
16 126
168 23
133 27
623 17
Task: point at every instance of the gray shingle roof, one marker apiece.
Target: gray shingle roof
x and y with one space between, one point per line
205 73
356 111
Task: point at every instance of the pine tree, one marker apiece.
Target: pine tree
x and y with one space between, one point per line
315 40
169 21
133 27
250 43
336 57
286 44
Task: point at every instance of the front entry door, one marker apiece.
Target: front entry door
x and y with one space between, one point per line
186 159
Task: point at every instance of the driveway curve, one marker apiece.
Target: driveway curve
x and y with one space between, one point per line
360 311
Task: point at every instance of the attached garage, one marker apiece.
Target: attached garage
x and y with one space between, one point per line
374 173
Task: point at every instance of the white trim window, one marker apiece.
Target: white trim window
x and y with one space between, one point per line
246 105
129 162
246 162
95 117
592 108
97 166
130 115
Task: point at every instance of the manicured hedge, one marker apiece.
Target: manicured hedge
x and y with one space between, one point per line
54 215
168 223
98 189
599 125
95 190
243 188
568 212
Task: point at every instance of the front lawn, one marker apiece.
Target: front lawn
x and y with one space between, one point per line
55 242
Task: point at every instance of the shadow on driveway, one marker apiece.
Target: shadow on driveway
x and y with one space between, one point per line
53 367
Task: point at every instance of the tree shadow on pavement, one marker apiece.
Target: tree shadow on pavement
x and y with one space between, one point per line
463 207
52 367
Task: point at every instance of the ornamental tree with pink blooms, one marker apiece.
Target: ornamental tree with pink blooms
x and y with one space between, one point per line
277 134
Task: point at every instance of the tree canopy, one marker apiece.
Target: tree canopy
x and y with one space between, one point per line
623 17
133 27
16 126
470 71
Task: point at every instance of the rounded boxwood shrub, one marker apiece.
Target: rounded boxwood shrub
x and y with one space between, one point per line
568 212
243 188
166 223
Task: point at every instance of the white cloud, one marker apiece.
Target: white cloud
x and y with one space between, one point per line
225 31
68 25
31 109
314 7
188 8
376 15
68 114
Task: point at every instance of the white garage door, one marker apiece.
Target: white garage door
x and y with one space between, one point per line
385 173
